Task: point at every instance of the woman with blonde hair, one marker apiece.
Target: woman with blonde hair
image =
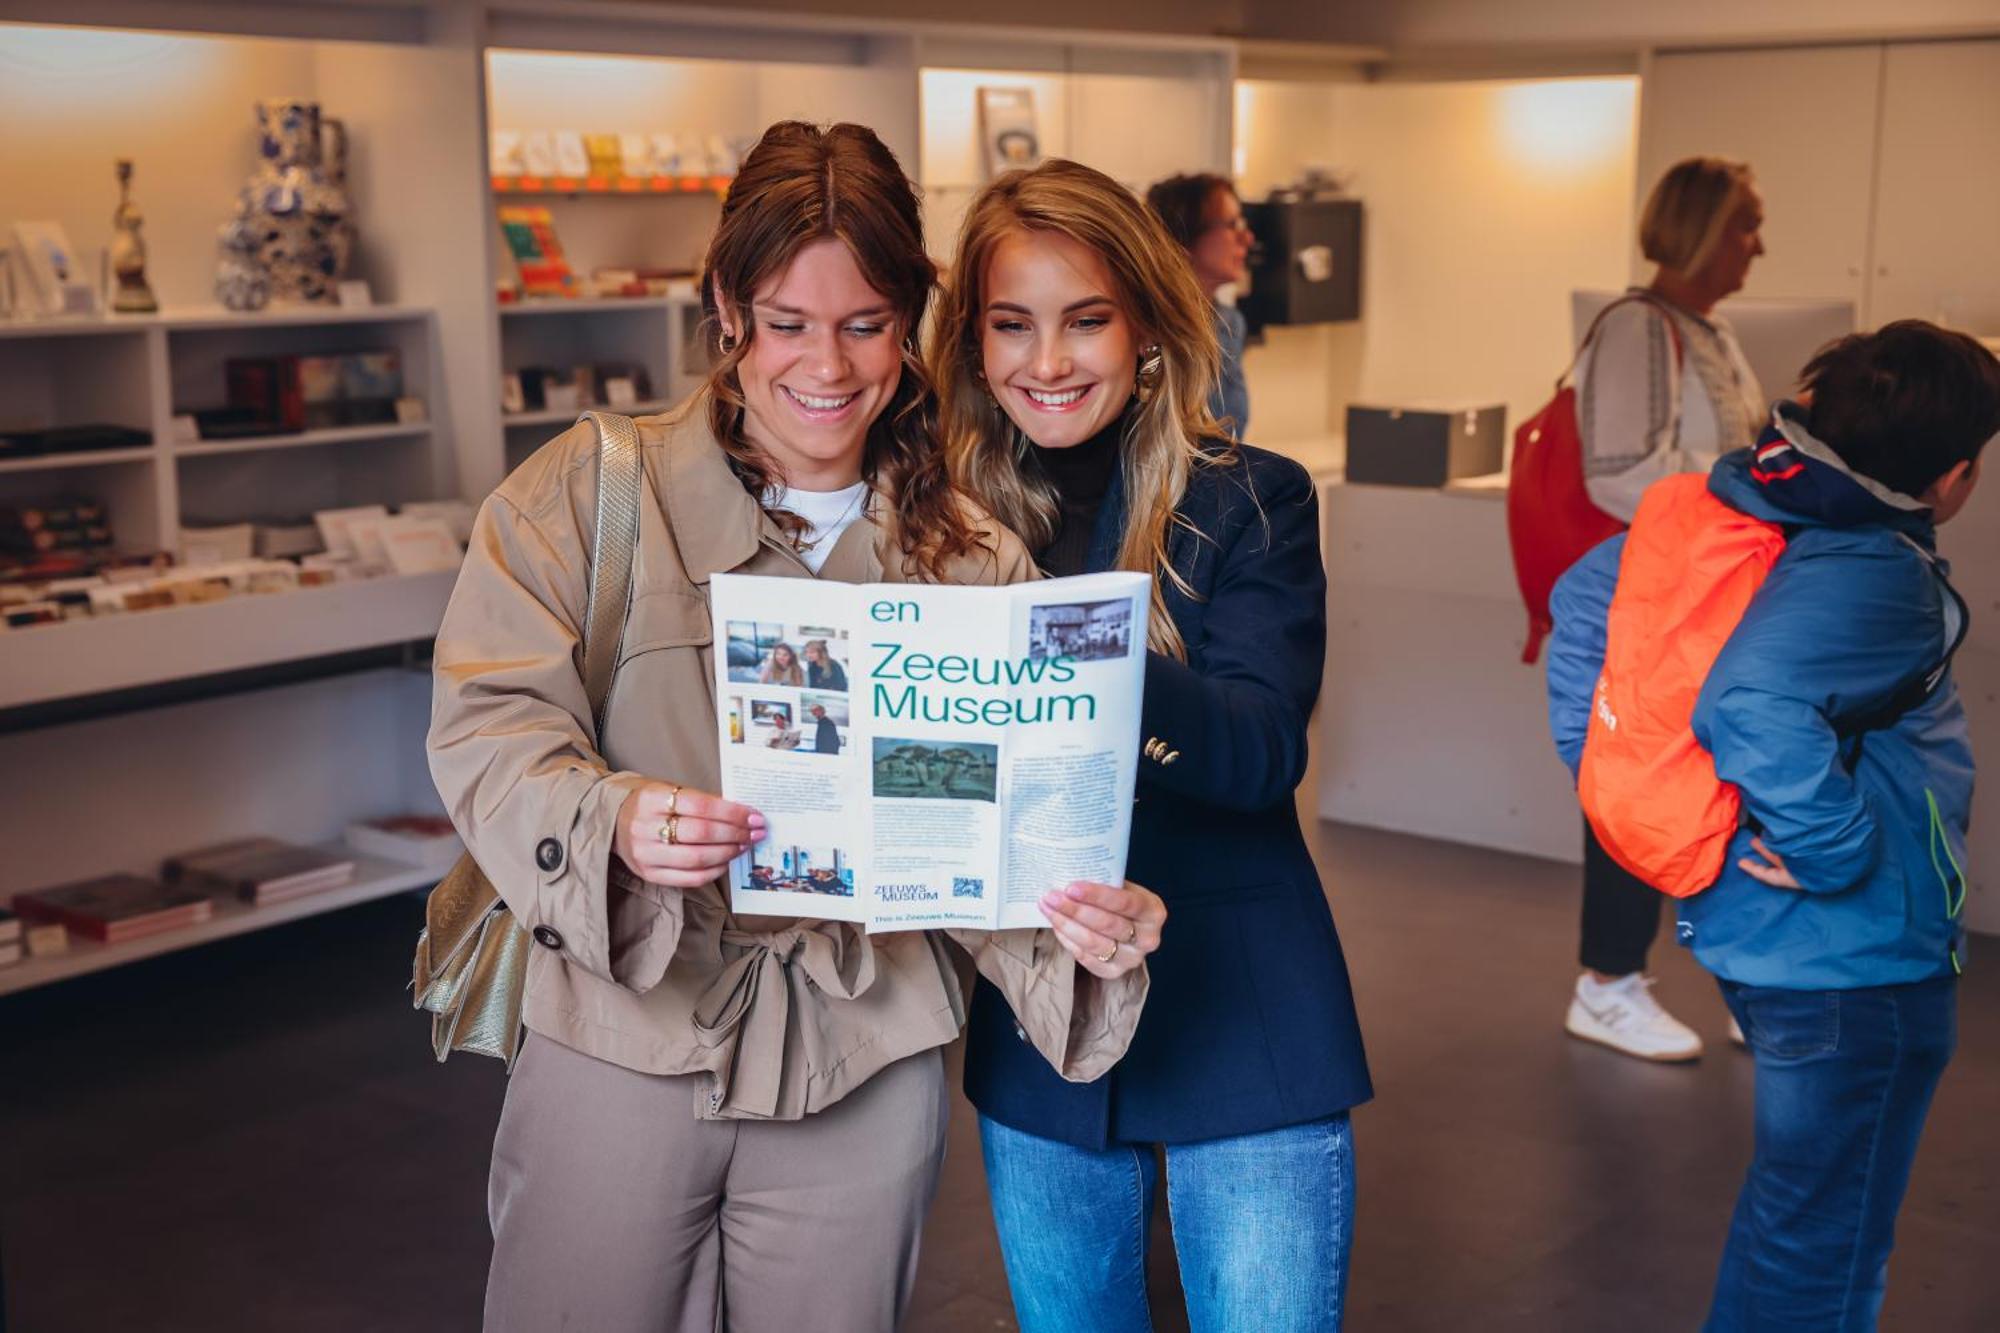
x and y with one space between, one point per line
1661 387
1074 355
721 1121
822 671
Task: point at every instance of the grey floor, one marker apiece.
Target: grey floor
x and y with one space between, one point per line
252 1136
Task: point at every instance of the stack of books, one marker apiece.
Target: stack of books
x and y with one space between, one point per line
258 870
114 908
10 938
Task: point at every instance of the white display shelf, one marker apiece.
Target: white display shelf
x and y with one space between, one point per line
392 430
372 879
88 458
294 316
589 304
552 418
73 326
117 652
200 318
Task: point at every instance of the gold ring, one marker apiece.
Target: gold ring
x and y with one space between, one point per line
1131 931
673 827
1107 955
673 798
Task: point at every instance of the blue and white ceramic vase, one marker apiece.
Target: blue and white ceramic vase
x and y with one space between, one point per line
296 205
241 284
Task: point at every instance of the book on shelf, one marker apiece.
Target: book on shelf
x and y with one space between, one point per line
114 908
10 938
282 395
258 870
426 841
530 231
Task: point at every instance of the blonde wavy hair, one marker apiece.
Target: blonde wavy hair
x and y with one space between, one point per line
1689 208
1169 433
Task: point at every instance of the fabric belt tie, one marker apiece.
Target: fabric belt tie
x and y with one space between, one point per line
746 1011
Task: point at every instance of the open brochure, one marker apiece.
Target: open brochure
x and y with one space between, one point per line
928 756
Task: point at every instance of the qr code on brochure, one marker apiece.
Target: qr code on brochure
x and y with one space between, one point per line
964 886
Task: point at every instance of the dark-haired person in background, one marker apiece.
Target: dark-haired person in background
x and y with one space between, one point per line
1833 928
1204 215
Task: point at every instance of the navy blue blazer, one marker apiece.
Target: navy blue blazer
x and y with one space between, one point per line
1250 1022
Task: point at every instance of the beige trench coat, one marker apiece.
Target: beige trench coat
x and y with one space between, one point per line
787 1016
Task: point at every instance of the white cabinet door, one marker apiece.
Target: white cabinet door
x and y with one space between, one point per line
1937 228
1805 121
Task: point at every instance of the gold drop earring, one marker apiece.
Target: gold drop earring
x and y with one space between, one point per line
1146 383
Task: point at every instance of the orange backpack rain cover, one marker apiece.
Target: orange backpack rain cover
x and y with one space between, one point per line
1690 567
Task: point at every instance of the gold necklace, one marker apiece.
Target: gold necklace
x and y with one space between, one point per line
800 544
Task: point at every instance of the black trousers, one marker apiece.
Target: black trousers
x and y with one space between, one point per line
1621 913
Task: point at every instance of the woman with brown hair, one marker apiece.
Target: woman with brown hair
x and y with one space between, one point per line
1074 354
781 667
724 1121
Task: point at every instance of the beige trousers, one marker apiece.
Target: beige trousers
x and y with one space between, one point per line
614 1209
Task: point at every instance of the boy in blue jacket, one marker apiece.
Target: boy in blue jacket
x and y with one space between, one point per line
1833 929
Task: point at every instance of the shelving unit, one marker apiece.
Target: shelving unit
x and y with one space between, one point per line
612 185
81 458
130 737
516 309
372 879
388 430
119 652
649 332
142 371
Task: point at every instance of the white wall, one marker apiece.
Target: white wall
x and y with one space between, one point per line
1486 203
1300 379
183 108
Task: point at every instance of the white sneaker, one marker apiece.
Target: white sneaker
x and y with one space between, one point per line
1623 1015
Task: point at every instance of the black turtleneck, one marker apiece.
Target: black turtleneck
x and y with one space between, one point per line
1081 475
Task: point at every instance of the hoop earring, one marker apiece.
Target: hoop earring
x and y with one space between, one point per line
1146 383
724 342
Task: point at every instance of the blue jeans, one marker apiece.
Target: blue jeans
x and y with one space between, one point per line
1262 1226
1844 1080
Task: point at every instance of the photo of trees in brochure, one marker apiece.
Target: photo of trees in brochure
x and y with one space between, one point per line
789 868
959 771
1080 631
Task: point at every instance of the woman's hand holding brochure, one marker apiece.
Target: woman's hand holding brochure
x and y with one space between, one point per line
1108 930
680 838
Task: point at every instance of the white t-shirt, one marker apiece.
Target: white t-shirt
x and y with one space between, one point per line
827 515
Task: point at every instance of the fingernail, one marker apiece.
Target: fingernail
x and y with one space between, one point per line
1074 890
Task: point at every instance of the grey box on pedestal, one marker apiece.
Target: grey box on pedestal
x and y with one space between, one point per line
1424 446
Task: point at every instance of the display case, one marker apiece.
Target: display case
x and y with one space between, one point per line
130 736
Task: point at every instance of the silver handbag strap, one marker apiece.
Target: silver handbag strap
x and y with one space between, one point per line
620 472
